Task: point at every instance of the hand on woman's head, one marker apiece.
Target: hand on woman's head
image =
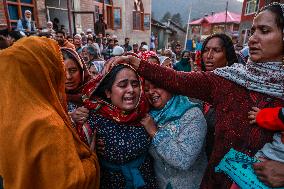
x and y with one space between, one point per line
129 59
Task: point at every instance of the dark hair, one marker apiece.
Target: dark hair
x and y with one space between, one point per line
45 34
56 20
15 34
277 10
155 57
60 31
3 42
185 51
67 55
108 81
143 43
178 45
227 43
110 40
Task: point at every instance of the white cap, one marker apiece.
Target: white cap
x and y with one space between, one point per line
28 11
117 51
145 47
89 30
114 36
78 36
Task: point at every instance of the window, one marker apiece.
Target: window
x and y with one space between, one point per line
109 17
16 10
137 20
117 18
252 6
147 21
108 2
97 12
57 3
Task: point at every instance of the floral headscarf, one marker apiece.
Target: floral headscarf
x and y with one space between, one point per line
75 95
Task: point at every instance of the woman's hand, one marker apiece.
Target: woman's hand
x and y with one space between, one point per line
150 125
80 115
252 115
270 173
129 59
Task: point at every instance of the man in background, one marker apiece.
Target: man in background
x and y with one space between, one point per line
26 24
62 41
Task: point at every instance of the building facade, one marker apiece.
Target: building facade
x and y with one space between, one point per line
221 22
124 18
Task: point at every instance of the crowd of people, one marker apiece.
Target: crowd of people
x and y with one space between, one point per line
88 112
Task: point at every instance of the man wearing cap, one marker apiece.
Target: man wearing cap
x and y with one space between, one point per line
26 24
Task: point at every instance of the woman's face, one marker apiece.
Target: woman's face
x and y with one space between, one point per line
157 97
266 42
214 54
93 70
125 91
167 63
85 54
186 55
73 75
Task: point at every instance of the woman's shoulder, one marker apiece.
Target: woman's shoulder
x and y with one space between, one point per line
192 113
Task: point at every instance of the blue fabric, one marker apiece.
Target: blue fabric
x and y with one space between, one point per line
169 186
130 172
173 110
238 167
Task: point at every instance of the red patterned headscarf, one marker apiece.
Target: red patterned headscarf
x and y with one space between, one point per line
75 95
146 55
106 109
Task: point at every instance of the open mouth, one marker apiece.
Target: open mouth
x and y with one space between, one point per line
154 99
129 100
253 50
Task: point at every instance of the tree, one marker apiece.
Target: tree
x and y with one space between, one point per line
176 18
166 16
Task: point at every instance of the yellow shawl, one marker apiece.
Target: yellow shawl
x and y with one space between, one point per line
38 147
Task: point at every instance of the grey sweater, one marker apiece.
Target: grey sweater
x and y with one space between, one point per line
179 153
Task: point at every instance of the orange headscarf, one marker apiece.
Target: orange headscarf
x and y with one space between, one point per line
39 148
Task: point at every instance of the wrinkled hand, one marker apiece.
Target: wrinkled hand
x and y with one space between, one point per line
150 125
270 173
80 115
252 115
129 59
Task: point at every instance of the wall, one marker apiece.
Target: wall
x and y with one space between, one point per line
3 21
41 12
87 20
136 36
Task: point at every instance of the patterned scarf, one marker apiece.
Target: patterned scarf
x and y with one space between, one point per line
266 78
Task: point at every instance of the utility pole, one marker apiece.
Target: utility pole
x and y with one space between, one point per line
187 24
226 17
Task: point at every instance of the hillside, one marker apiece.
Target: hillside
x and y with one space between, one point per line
199 7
